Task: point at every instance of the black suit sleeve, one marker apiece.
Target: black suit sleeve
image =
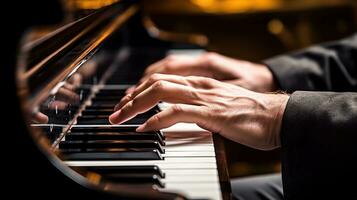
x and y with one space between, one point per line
319 145
328 67
319 129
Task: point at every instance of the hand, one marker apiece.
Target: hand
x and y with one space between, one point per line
252 76
250 118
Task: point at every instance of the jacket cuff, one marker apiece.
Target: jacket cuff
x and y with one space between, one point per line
289 73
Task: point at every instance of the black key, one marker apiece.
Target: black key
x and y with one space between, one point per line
103 116
103 93
81 121
135 179
84 121
107 144
110 101
97 112
112 154
109 108
115 136
100 107
109 129
94 116
150 169
104 104
107 98
83 93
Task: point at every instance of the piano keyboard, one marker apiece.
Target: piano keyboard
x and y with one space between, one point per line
177 159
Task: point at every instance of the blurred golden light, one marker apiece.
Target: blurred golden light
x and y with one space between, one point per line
275 26
89 4
236 5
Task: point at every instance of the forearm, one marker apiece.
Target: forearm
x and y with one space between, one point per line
327 67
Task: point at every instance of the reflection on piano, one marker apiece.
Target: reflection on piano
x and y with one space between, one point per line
70 80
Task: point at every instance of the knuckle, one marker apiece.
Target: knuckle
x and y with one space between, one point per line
159 85
206 82
155 119
210 57
170 57
153 78
176 109
210 54
170 66
128 97
194 95
134 102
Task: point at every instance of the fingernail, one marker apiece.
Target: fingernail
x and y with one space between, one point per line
141 128
116 107
114 116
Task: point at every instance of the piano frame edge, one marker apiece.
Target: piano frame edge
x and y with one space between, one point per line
221 160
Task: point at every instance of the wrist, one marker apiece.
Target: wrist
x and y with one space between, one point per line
269 79
282 101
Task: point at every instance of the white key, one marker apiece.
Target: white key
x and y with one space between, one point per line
190 154
162 165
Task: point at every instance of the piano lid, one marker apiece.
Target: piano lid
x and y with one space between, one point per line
56 76
48 61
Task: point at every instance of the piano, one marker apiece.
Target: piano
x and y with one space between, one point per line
68 82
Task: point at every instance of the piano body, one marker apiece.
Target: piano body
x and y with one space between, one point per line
68 82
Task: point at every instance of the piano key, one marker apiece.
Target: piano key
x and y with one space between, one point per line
189 159
107 144
125 154
190 178
84 120
100 104
205 186
115 136
105 116
149 169
86 129
107 98
99 107
188 163
189 154
189 148
192 172
104 92
104 102
97 111
135 179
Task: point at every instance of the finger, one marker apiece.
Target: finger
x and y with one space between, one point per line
234 81
155 66
173 115
240 82
177 64
130 90
192 81
143 86
40 118
160 91
67 96
75 80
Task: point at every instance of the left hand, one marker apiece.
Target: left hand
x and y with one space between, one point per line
252 76
247 117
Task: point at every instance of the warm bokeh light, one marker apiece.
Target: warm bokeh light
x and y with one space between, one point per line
235 5
89 4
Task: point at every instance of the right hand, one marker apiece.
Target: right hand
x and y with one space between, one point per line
252 76
250 118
